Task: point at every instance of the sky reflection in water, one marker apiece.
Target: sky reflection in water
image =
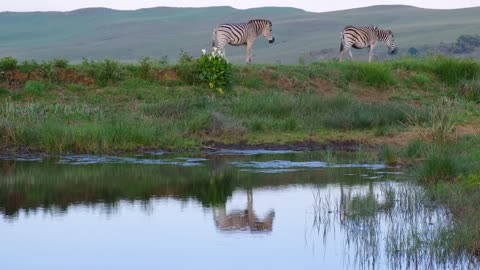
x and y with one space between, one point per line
235 211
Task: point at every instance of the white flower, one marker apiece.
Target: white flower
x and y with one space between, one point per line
214 49
204 51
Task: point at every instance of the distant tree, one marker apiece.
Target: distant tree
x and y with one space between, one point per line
466 44
412 51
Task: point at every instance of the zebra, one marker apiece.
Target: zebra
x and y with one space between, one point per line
365 36
238 34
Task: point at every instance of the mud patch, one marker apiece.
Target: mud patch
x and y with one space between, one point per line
308 145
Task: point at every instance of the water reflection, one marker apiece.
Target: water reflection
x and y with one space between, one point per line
365 214
389 219
243 220
57 183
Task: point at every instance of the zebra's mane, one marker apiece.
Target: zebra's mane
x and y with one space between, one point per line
260 21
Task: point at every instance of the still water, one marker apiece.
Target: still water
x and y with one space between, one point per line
222 210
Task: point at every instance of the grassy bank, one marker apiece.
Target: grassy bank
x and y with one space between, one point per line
105 106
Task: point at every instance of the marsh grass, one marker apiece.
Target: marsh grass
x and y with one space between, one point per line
388 155
395 222
438 166
443 119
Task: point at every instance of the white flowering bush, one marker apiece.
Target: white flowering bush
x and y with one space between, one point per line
214 71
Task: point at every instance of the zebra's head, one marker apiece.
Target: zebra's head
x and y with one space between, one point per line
263 28
390 41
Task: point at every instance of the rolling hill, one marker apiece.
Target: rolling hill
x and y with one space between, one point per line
98 33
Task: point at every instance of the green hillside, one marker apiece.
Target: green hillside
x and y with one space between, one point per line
129 35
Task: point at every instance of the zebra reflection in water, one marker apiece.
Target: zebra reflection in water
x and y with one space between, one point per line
243 220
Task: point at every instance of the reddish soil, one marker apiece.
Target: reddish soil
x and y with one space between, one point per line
166 75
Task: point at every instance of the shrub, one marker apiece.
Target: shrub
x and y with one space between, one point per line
8 64
145 69
105 71
214 71
210 70
28 66
60 63
48 72
186 67
109 72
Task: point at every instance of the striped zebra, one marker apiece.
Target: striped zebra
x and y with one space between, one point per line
365 36
238 34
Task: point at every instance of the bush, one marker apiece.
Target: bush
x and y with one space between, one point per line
105 71
28 66
8 64
145 69
60 63
210 70
47 69
214 71
186 67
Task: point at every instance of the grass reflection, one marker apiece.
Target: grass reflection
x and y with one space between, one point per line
389 222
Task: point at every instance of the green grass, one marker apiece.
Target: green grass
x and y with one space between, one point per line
453 71
437 167
103 106
35 88
132 35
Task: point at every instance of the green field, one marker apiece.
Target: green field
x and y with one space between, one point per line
156 32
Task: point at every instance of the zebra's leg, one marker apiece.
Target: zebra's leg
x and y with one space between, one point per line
370 53
340 56
350 53
248 57
343 49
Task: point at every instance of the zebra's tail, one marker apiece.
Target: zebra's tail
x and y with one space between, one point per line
341 41
213 36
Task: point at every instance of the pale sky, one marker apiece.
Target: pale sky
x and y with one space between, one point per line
309 5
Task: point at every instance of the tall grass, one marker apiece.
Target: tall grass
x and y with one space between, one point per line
438 166
441 126
453 71
376 75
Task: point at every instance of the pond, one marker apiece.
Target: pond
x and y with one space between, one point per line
221 210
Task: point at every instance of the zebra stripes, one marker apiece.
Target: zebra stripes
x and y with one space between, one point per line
238 34
365 36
